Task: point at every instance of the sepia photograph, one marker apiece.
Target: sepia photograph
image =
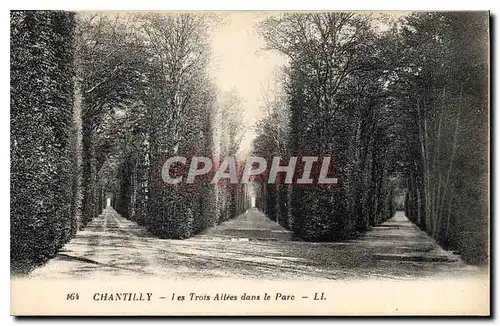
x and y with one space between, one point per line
250 162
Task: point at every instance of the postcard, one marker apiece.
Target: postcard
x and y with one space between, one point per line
250 163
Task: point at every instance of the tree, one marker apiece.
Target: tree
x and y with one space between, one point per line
273 140
42 217
445 70
335 88
228 134
108 64
179 105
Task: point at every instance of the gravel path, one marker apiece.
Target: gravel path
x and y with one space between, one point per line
250 247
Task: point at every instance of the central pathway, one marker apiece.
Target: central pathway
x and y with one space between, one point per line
242 248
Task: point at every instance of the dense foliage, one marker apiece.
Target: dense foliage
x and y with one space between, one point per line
41 141
335 105
402 106
99 102
443 90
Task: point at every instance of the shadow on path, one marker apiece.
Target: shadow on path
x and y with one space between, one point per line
243 248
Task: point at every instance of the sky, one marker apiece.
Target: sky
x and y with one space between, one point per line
240 64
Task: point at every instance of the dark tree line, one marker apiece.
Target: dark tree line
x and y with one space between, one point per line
442 89
336 105
40 134
98 103
402 107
